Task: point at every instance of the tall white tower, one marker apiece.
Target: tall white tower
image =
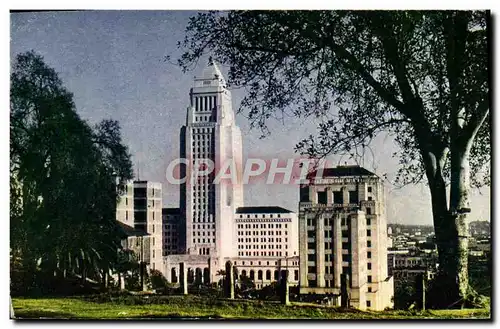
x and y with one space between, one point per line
210 133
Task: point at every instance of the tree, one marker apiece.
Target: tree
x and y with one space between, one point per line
62 178
419 76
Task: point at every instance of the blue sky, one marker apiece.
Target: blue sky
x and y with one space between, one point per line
113 63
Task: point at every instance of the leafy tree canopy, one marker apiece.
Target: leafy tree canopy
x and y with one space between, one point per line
63 177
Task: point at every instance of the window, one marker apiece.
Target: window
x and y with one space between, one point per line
346 258
311 269
338 197
353 197
368 220
311 245
369 189
369 266
369 279
322 199
369 244
369 254
370 198
296 275
369 289
312 283
368 303
368 232
304 194
368 211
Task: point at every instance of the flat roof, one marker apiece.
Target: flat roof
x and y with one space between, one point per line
343 171
131 231
262 210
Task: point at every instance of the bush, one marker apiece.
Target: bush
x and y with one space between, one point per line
158 282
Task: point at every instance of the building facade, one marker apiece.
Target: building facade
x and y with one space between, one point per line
214 226
140 206
343 230
211 134
125 205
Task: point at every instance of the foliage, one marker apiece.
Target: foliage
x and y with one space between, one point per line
244 283
419 76
360 71
157 281
404 294
63 179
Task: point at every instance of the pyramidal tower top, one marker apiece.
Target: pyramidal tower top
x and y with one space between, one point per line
211 75
210 99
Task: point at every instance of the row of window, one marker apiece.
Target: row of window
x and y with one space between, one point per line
262 232
262 216
311 233
202 233
203 226
259 263
338 197
203 220
262 246
242 226
202 137
205 103
200 131
261 240
204 118
204 251
203 240
344 221
262 253
260 275
330 270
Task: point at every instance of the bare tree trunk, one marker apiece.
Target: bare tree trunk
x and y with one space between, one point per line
459 207
451 231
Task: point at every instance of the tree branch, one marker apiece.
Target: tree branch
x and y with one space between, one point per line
470 130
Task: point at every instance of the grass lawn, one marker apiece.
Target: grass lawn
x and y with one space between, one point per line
175 307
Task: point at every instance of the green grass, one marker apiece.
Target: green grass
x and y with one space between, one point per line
198 307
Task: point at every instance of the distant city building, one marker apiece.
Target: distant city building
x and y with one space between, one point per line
171 218
137 241
125 205
139 206
267 243
343 230
479 228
